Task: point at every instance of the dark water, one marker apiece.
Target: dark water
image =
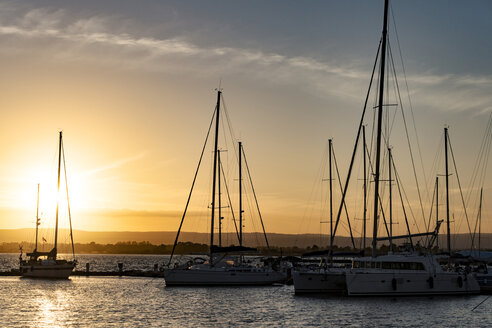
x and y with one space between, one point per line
146 302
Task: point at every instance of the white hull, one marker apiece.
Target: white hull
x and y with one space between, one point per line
407 283
48 271
485 282
221 277
405 275
324 281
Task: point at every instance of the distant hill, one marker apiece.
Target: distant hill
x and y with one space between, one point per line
460 241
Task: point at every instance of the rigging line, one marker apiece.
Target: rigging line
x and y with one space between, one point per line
483 158
409 207
191 190
481 302
410 146
390 128
68 199
437 158
486 160
256 199
397 178
409 99
370 168
314 188
229 198
356 143
434 195
231 130
483 152
461 194
344 204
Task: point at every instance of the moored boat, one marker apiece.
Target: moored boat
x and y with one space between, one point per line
225 265
406 275
46 264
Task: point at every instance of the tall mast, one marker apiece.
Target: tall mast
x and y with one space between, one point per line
380 119
37 222
240 195
330 147
220 203
365 188
437 209
447 188
480 222
390 201
215 173
57 193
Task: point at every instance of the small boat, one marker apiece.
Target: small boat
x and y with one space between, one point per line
46 264
226 266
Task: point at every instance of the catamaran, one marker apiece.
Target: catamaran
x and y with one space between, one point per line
46 264
221 268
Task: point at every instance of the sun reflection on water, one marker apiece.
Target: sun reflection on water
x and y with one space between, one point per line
51 304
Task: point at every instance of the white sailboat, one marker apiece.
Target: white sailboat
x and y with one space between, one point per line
46 264
402 274
221 268
408 273
326 278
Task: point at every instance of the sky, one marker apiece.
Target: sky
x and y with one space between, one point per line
132 86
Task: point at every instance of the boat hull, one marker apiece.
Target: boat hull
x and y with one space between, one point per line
485 282
408 284
319 282
210 277
50 271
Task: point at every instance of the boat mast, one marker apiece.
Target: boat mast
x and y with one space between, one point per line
437 210
447 188
220 202
240 195
479 221
58 198
330 147
37 222
380 119
215 169
390 201
365 187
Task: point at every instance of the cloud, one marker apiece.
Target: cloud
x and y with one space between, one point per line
85 38
114 165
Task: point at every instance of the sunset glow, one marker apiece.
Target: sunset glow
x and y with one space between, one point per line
134 96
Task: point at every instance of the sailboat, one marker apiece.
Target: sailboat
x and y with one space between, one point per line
406 273
46 264
220 268
327 277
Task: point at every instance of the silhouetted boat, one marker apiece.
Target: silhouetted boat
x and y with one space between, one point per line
220 268
45 264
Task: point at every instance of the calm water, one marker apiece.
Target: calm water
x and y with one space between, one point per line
146 302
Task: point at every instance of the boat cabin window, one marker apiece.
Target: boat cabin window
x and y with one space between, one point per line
403 265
